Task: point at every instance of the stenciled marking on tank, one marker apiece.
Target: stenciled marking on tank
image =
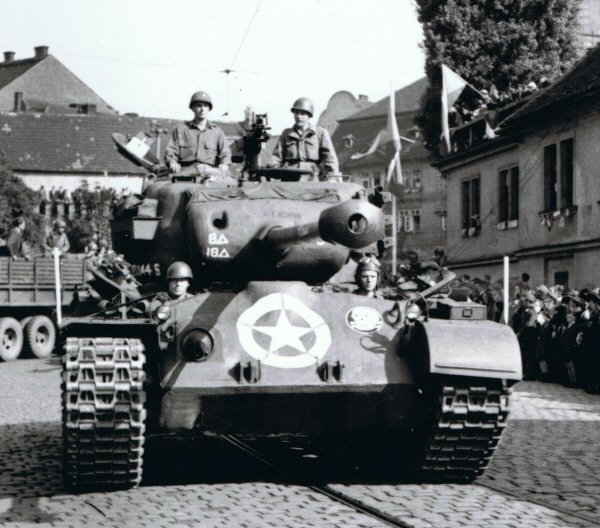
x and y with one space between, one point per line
217 252
217 239
285 336
364 320
137 270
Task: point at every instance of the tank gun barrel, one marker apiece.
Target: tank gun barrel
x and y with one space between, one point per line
354 224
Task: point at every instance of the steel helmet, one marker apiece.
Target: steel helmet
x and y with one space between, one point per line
179 270
305 104
201 97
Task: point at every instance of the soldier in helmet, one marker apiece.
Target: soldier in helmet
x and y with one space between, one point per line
58 239
367 276
199 141
179 276
306 146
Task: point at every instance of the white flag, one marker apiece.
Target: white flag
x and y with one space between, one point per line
394 167
372 148
452 86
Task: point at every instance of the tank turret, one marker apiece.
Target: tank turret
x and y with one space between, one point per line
270 224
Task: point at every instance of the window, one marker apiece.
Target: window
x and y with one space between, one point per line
376 179
409 220
566 173
508 198
558 187
471 206
412 179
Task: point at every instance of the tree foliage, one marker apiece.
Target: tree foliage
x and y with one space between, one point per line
16 199
506 43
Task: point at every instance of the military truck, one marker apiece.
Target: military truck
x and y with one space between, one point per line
266 344
28 303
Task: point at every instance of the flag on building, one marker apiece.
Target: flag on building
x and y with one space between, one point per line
452 87
394 171
372 148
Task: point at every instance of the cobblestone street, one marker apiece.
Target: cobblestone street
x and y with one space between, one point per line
544 474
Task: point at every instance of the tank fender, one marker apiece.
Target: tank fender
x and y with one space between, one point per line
471 348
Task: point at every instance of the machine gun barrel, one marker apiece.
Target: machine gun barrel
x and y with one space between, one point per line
354 224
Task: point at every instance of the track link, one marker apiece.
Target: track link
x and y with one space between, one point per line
103 412
466 430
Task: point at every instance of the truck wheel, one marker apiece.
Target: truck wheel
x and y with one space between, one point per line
11 338
40 335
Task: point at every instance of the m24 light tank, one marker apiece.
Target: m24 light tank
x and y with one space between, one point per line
265 347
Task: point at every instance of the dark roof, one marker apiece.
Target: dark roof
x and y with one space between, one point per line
76 143
11 71
408 99
582 80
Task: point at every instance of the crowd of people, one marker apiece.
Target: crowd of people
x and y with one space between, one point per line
468 108
558 328
57 201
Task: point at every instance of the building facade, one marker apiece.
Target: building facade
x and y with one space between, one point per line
533 193
420 200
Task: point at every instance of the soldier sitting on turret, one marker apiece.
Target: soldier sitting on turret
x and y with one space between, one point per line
367 277
306 147
179 276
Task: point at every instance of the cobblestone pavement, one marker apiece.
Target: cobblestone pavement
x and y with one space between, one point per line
545 474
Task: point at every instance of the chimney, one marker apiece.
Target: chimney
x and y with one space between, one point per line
18 101
9 56
41 52
363 97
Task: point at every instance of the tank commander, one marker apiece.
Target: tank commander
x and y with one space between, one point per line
367 276
57 239
179 275
306 146
14 242
199 141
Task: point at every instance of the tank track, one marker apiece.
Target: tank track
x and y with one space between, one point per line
103 412
467 427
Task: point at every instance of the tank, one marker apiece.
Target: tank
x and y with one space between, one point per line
269 343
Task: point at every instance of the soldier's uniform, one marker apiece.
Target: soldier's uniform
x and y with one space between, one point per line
305 146
189 145
309 150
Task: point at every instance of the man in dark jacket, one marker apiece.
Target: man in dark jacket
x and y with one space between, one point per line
14 242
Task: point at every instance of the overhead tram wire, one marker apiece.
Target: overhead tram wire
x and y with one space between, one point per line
228 71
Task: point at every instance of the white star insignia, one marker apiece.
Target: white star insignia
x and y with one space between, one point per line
284 333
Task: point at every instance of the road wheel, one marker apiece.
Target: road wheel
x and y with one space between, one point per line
40 335
11 338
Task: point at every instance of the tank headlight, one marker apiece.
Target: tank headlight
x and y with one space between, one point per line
162 313
412 312
197 345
